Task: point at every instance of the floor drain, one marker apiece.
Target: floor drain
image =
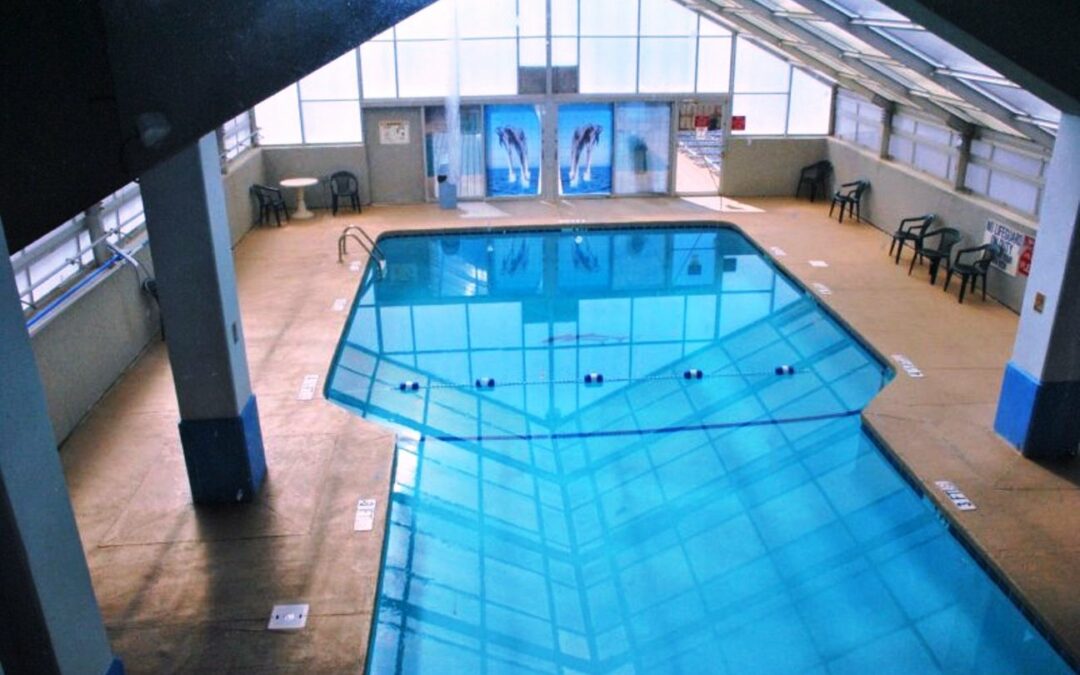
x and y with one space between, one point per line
288 617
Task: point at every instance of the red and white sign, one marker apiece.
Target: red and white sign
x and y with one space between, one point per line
1026 252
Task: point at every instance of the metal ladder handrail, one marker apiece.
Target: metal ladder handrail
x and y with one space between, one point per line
373 250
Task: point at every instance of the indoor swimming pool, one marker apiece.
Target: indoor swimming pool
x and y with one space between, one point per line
640 451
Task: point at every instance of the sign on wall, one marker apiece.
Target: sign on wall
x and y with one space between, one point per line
1016 248
394 132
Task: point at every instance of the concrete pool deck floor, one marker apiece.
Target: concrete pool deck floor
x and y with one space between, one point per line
185 589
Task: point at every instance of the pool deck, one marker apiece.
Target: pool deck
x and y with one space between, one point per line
187 589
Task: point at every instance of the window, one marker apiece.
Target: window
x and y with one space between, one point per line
858 121
236 136
420 58
65 253
811 104
1008 174
926 145
323 107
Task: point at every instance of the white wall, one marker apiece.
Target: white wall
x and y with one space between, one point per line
316 161
767 167
240 174
898 191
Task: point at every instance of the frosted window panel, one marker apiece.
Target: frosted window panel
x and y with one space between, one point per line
609 17
488 67
932 161
1020 163
847 105
810 105
765 113
667 64
714 65
533 52
932 132
868 137
904 123
278 118
666 17
433 22
845 128
1017 193
131 212
532 18
377 66
423 68
384 36
487 18
564 17
331 121
981 149
707 27
335 80
756 70
977 178
901 149
87 256
607 65
564 51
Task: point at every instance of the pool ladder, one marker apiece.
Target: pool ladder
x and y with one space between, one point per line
361 237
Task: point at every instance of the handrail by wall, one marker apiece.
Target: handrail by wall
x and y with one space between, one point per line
118 257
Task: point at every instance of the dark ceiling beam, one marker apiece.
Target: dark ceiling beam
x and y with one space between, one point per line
99 91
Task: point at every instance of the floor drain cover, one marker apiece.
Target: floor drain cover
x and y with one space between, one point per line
288 617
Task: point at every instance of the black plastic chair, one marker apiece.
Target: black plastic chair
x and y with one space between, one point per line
910 230
816 176
974 268
849 195
947 238
344 184
270 200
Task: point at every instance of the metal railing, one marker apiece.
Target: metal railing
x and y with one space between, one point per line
361 237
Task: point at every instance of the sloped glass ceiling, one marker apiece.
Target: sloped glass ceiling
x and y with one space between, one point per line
869 47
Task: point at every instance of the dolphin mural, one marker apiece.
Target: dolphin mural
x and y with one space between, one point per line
586 137
513 140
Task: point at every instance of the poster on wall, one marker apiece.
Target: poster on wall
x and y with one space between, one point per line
585 149
642 148
513 150
1016 248
394 132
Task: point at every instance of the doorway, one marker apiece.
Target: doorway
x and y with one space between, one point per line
699 132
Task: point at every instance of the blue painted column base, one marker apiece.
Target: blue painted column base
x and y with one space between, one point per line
224 457
1042 419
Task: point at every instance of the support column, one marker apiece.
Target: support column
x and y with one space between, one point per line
1040 395
188 226
49 617
888 112
97 231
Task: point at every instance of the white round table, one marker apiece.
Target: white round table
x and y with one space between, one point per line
302 212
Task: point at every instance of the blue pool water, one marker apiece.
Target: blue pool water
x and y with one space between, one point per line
738 523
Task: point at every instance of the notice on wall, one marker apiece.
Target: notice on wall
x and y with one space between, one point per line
365 515
1016 248
394 132
738 122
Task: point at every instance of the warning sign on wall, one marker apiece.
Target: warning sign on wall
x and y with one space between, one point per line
738 122
1016 248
